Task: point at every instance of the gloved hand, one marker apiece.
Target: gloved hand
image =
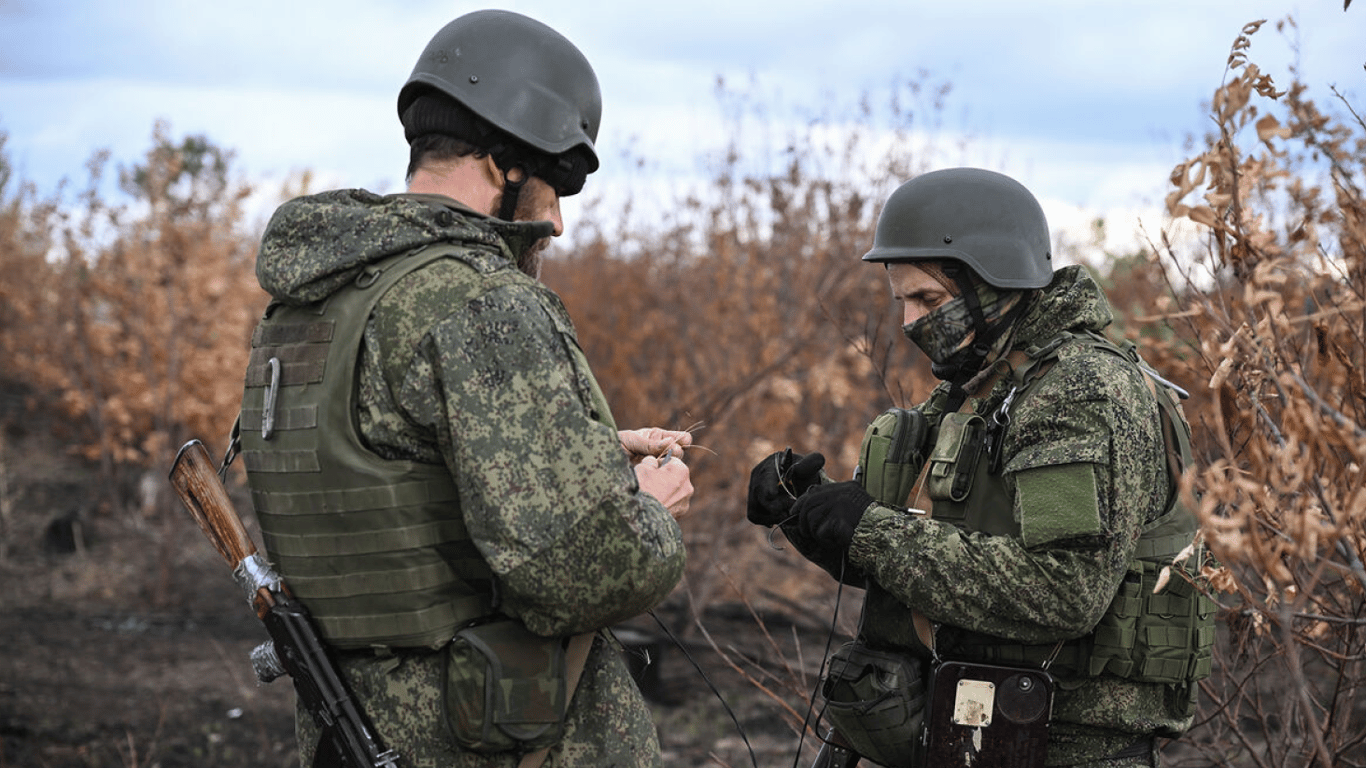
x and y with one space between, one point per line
830 513
777 481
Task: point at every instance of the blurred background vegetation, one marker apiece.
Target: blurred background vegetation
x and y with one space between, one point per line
746 315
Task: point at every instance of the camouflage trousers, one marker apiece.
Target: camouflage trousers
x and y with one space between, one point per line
1143 754
608 724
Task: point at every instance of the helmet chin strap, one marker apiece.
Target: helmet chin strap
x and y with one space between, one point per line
969 361
512 189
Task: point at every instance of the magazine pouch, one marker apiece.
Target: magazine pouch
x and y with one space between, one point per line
953 462
890 455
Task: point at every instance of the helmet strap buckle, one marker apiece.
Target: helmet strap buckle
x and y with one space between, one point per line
512 189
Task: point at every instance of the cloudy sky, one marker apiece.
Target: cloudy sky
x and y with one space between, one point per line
1089 103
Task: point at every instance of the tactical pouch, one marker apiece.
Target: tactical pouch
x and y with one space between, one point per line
505 688
891 457
953 462
1155 638
876 701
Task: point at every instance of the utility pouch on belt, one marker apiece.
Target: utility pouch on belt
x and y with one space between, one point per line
988 716
953 462
505 688
891 456
876 701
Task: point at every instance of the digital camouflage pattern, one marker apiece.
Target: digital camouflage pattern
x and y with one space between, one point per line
1049 580
947 329
609 723
470 363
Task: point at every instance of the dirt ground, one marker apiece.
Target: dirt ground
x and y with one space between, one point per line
126 640
100 682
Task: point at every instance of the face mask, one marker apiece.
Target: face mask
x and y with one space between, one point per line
945 335
942 332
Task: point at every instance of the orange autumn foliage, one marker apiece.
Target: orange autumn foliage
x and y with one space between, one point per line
747 314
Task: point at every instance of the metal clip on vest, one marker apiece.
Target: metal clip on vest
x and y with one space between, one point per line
271 396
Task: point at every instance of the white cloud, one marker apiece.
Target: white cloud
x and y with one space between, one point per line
1088 102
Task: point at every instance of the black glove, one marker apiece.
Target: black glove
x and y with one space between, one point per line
777 481
830 513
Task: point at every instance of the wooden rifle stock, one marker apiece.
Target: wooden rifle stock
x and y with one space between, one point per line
202 492
197 484
349 740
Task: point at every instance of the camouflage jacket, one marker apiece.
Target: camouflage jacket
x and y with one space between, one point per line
472 364
1054 580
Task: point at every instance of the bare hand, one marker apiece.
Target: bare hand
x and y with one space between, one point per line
670 482
653 441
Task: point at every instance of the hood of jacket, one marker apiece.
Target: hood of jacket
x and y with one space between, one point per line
1072 301
316 244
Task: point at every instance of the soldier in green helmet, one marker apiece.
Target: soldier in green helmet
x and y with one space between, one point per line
1012 531
436 472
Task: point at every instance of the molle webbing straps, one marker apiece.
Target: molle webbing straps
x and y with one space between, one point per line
377 548
1146 636
301 349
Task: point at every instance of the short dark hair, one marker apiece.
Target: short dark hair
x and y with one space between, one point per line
438 127
437 147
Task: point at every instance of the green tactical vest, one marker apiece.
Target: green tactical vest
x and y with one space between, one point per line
1165 637
376 548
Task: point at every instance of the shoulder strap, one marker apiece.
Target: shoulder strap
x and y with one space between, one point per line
1037 359
1166 536
1176 431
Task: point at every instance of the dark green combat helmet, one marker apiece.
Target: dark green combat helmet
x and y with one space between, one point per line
518 74
980 218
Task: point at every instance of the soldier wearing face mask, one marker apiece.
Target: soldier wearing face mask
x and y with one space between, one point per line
1011 530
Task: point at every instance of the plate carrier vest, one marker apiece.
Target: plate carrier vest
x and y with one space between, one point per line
1165 637
376 548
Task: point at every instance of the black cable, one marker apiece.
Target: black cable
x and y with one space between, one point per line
825 655
743 736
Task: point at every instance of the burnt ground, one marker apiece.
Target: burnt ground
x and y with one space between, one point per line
126 640
96 684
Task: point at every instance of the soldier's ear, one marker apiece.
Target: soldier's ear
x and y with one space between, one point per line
491 172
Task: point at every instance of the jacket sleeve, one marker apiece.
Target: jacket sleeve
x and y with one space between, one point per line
547 493
1077 459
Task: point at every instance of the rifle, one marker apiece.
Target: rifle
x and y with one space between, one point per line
296 649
